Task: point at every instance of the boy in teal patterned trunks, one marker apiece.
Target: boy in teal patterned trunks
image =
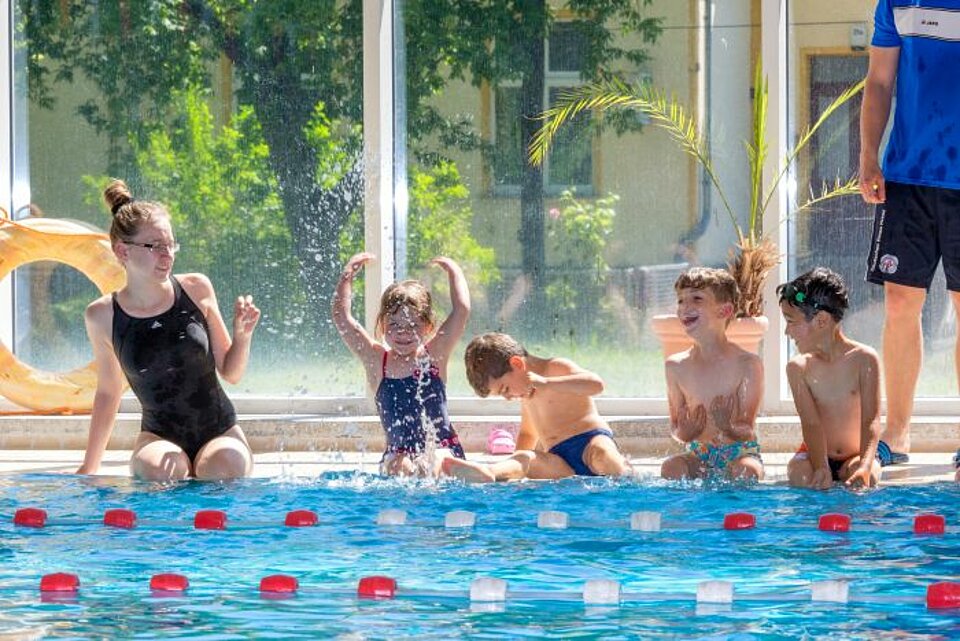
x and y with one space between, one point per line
714 388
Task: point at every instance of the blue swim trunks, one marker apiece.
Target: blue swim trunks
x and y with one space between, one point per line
571 450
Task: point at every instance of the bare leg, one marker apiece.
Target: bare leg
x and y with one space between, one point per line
747 468
955 297
469 471
902 357
681 466
799 471
604 459
227 456
397 464
157 459
523 464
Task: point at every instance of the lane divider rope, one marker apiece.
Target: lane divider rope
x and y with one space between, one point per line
643 521
491 590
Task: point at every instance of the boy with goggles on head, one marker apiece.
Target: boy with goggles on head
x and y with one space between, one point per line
835 383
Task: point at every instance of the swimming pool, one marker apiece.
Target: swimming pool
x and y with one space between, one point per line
771 566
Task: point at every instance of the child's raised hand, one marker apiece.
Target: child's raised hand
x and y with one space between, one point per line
245 316
447 264
356 263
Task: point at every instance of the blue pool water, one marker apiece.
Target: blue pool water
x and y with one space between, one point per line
887 565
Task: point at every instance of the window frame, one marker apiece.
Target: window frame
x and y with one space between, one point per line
379 76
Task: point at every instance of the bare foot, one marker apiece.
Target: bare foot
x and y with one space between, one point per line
468 471
898 442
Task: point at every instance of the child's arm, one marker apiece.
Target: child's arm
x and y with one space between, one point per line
453 327
869 417
736 416
810 425
566 377
527 435
352 332
684 425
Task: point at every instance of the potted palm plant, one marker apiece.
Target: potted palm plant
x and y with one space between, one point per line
754 253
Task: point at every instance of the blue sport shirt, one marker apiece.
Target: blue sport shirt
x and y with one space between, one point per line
924 145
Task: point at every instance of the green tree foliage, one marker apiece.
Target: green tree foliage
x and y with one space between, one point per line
289 56
579 228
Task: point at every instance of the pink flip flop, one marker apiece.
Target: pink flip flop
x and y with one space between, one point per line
500 441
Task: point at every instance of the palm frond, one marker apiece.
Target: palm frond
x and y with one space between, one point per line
807 135
667 113
757 151
828 191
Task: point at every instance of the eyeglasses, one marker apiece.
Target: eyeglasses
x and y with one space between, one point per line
799 298
155 248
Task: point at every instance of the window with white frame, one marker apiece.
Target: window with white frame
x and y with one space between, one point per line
570 163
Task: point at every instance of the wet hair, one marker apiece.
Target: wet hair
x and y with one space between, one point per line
718 281
128 213
818 290
488 357
407 293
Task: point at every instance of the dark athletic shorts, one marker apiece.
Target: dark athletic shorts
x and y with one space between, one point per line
912 231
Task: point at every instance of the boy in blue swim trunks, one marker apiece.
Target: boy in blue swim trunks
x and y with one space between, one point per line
714 388
836 386
556 410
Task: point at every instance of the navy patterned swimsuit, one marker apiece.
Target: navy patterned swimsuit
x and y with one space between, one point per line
170 367
400 411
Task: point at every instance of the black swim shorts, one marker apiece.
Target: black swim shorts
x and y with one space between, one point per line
916 227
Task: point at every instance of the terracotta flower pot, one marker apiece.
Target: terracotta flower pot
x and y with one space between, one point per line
745 332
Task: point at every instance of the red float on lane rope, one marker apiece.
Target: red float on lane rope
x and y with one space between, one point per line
210 520
834 523
120 517
943 595
59 582
739 521
169 583
377 587
301 518
279 583
30 517
929 524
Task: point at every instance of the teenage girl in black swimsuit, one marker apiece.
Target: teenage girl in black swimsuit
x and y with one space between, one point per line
164 334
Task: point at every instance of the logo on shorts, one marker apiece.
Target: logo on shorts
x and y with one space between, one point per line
889 263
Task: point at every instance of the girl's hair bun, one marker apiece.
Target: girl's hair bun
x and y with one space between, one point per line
116 195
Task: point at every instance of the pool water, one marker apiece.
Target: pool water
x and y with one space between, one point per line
771 566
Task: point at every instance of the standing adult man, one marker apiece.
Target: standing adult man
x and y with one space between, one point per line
915 49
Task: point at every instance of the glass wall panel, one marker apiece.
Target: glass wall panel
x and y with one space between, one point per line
243 118
576 256
828 53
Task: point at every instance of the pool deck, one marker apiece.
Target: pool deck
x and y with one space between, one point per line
926 467
298 445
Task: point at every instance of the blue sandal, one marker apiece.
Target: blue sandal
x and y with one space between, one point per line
886 456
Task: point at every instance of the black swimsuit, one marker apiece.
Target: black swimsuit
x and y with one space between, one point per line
170 367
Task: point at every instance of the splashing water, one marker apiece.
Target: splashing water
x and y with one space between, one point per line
426 461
